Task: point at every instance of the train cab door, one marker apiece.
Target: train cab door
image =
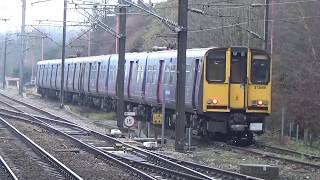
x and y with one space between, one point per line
259 82
216 81
238 78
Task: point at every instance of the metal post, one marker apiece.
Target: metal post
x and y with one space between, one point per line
42 49
290 130
248 24
181 75
272 28
5 61
163 114
89 43
266 25
297 132
148 129
121 63
189 138
63 52
23 43
282 124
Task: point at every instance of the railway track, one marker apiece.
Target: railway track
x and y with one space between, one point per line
290 152
215 172
21 106
142 162
111 149
6 173
27 159
273 155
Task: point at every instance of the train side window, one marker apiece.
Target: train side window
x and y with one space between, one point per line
188 72
172 73
167 74
150 74
216 66
260 68
138 74
111 72
155 73
115 71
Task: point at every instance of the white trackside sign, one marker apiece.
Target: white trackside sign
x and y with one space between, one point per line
129 121
255 126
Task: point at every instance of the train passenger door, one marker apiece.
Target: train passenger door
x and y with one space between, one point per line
238 78
98 77
196 69
160 82
67 79
130 79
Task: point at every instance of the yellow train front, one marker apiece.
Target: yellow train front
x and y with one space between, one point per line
236 87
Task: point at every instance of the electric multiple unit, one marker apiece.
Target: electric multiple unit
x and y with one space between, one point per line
228 90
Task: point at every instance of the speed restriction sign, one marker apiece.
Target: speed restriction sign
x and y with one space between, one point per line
129 121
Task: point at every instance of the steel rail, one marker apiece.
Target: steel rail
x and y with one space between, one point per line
107 155
138 151
290 151
68 173
169 163
31 107
124 162
273 156
215 172
7 169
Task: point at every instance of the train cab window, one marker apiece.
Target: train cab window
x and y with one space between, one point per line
260 68
238 67
216 66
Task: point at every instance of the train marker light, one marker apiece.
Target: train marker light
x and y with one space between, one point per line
210 101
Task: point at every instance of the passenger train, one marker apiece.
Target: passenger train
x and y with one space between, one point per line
228 90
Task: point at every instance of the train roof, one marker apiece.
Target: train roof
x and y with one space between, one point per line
197 52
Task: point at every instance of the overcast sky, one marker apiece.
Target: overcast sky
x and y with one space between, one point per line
52 10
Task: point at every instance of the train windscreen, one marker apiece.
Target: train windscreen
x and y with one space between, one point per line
260 69
216 66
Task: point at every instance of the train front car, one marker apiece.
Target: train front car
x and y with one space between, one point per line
236 92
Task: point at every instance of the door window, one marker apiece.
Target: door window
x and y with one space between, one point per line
238 67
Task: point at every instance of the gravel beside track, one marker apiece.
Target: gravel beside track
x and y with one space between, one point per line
25 163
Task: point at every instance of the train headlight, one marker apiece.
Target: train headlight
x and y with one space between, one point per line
215 101
259 103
